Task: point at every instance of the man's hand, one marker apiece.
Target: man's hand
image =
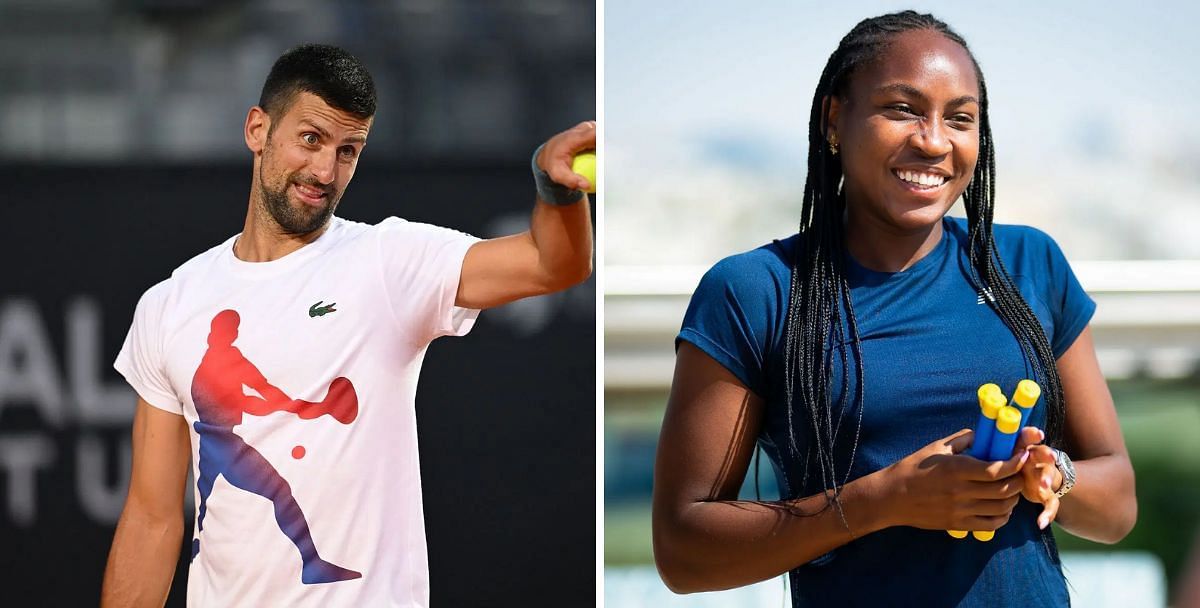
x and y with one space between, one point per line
558 152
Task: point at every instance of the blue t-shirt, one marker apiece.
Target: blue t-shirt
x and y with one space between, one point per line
928 341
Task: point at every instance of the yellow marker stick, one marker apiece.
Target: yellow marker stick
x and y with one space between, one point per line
987 389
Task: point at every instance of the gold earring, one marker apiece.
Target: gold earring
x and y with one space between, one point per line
833 144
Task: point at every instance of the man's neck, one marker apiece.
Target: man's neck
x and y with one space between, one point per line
262 240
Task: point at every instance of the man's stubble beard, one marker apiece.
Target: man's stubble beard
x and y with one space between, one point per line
290 219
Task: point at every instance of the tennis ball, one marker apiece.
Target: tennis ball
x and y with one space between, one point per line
585 165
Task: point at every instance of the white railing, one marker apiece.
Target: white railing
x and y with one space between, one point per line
1147 319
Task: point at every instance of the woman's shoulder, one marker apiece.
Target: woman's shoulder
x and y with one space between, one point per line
738 310
769 265
1014 242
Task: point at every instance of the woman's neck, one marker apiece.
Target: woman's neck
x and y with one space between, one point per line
884 248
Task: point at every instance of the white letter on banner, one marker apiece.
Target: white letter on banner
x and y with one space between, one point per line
21 455
101 404
27 371
101 501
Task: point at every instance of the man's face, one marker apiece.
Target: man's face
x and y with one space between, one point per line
307 162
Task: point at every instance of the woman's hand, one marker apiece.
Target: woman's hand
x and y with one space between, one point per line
1041 476
940 488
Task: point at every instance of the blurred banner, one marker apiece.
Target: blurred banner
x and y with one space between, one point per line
103 81
506 414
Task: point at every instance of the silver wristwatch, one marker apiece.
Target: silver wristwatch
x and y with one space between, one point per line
1063 462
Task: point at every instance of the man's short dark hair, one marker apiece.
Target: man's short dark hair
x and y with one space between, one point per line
328 72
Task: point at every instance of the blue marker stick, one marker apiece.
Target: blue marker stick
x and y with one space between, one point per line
1008 422
1004 439
990 403
1025 397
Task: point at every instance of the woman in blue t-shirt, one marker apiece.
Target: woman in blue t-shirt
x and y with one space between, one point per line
851 354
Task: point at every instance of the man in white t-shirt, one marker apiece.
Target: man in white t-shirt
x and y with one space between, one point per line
282 364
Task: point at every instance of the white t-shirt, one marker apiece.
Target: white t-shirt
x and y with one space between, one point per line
297 379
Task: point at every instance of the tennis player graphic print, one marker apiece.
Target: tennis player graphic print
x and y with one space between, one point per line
217 391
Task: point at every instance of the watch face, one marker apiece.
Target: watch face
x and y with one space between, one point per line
1067 465
1067 468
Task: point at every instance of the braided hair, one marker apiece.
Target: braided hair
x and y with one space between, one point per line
820 316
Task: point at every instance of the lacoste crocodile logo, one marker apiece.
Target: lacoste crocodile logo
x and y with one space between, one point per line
316 310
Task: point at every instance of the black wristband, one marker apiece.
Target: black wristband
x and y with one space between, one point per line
549 190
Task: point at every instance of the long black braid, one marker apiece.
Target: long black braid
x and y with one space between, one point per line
820 316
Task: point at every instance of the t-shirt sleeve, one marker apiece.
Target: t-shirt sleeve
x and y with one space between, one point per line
1069 303
421 266
728 319
141 359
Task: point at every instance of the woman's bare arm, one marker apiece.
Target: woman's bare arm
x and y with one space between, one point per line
1103 505
705 539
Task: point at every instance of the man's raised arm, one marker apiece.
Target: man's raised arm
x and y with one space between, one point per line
556 252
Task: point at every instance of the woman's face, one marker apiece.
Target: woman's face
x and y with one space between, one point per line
908 132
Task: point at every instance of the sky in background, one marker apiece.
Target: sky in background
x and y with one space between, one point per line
1095 109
